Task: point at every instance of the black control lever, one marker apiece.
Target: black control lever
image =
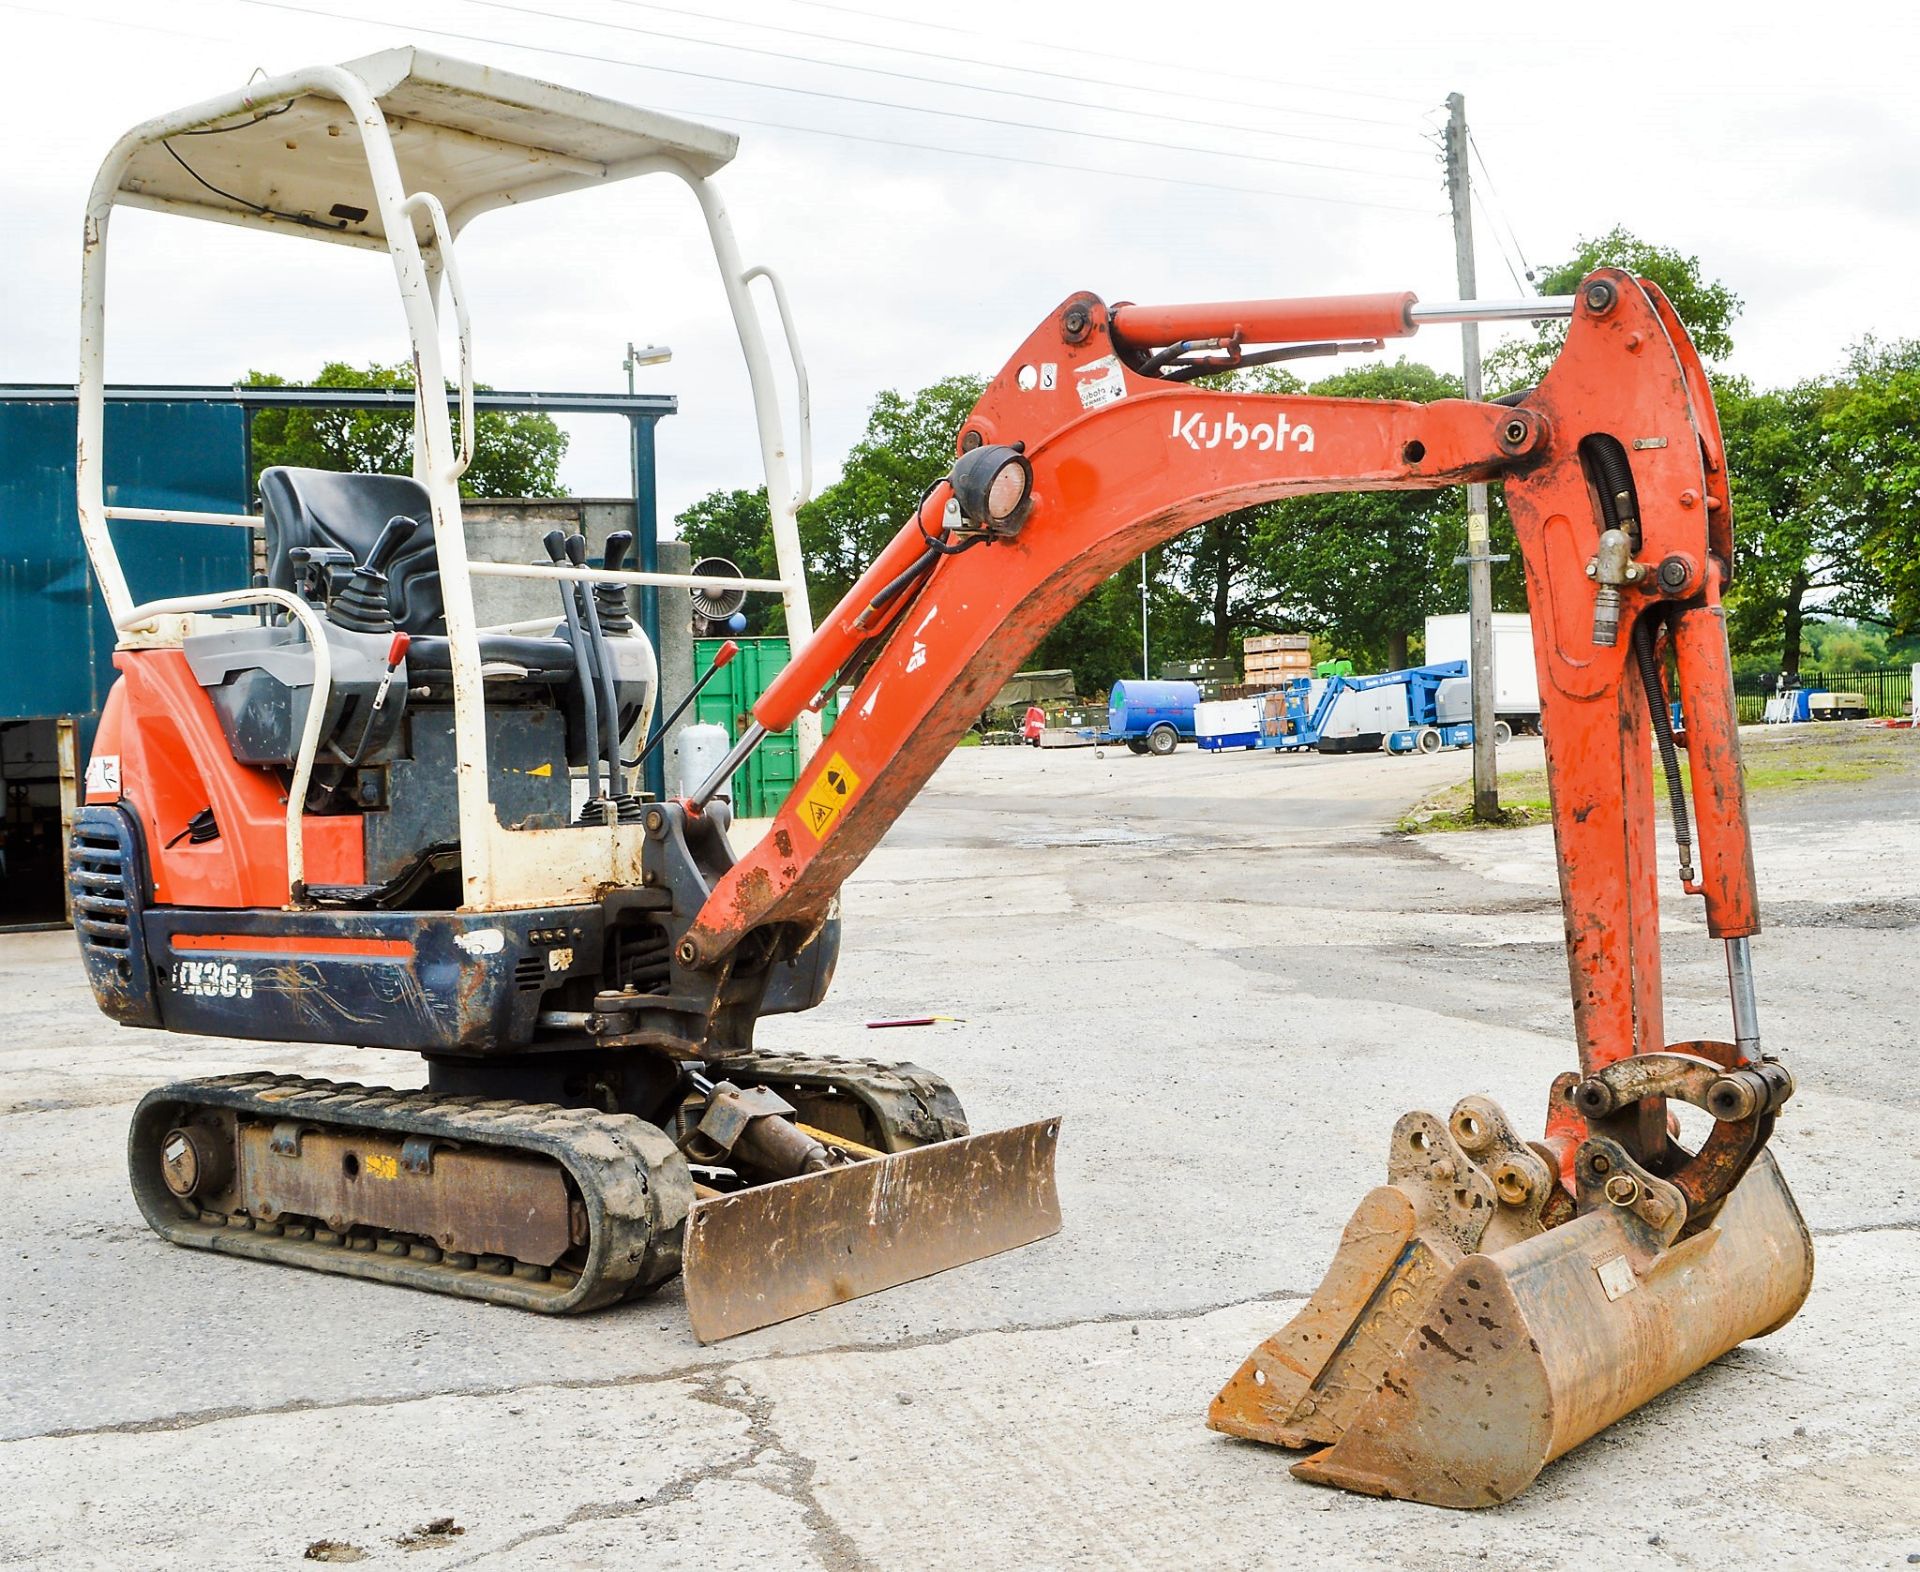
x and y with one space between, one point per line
363 606
556 544
616 616
400 529
603 662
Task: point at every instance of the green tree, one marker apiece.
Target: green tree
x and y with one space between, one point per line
514 455
907 446
1100 638
1796 539
1844 645
1875 433
1365 569
1705 305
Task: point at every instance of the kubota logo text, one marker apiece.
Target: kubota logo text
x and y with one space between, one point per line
1197 431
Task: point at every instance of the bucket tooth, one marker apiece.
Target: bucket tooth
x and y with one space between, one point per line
1529 1351
1303 1385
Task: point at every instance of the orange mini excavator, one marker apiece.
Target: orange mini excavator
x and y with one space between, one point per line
337 812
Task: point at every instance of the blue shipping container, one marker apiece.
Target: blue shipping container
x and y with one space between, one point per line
55 638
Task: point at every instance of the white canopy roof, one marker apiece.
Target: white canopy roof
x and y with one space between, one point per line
475 137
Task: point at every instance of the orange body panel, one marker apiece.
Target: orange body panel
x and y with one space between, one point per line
173 762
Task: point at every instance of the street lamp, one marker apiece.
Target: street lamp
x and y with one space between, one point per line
1144 671
650 355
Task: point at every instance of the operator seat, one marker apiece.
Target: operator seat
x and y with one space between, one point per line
321 508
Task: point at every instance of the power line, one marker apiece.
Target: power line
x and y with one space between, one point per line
548 15
1506 257
1081 48
946 58
922 109
848 136
1494 195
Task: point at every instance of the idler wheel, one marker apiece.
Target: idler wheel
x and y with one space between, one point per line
193 1160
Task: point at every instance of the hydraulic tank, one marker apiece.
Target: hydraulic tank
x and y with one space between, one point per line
701 748
1136 705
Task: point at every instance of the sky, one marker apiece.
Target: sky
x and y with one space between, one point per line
931 182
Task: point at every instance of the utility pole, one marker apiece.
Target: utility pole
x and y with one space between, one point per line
1144 673
1479 560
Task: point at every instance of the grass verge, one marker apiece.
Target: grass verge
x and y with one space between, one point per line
1783 758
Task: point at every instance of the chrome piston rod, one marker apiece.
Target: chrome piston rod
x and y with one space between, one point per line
723 771
1439 312
1746 1008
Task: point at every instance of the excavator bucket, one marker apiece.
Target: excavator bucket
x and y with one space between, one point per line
779 1250
1467 1334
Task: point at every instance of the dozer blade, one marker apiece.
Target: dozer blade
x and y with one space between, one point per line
780 1250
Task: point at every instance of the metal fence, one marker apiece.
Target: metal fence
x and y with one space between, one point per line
1888 690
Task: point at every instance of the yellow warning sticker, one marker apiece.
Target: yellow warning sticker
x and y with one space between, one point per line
379 1166
829 793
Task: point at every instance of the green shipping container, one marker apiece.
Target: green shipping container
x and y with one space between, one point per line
762 783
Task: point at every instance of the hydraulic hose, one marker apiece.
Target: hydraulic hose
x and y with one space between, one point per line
603 663
556 544
1619 510
1649 662
1615 476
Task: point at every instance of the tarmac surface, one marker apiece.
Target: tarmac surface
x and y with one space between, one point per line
1230 982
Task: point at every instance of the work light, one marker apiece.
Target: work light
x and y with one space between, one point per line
994 487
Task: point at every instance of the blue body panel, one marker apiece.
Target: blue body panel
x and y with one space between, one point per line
1457 735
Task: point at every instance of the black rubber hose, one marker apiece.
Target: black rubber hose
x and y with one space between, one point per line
603 660
1649 663
920 565
1615 475
556 544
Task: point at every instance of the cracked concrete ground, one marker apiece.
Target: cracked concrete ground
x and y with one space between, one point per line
1230 983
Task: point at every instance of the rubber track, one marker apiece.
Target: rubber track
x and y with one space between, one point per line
629 1173
914 1107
